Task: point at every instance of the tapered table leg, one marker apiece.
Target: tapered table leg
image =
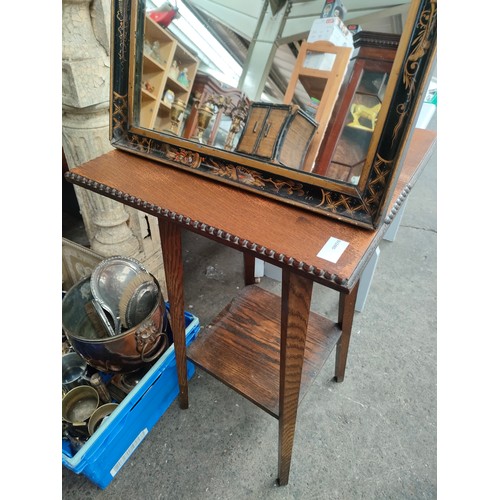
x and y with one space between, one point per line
295 303
249 263
347 304
171 243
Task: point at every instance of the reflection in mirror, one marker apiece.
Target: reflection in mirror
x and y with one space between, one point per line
177 96
168 72
344 150
331 138
357 128
339 94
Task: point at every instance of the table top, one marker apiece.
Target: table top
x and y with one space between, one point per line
271 230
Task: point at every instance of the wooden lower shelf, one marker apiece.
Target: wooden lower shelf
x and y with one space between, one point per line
241 347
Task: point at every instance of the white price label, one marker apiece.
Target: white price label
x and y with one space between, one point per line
333 249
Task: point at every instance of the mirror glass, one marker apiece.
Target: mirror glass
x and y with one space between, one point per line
342 121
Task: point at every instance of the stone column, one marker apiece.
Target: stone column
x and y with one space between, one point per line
85 100
112 228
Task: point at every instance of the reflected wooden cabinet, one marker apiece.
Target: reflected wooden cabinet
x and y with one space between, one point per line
215 130
344 148
280 133
166 66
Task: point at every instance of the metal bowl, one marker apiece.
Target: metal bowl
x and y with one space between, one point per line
99 415
74 369
129 351
79 404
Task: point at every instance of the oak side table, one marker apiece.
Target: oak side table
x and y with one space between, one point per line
266 347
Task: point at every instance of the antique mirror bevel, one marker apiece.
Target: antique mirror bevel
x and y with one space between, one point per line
363 204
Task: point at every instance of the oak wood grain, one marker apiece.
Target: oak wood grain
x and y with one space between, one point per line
171 242
241 347
273 231
347 303
295 304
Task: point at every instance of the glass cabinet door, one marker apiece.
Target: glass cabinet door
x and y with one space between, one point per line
351 150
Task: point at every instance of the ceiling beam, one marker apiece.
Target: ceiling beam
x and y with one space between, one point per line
262 51
370 15
276 5
241 17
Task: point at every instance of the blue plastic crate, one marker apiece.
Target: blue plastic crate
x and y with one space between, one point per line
107 450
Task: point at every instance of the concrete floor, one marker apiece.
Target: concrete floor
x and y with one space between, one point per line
371 437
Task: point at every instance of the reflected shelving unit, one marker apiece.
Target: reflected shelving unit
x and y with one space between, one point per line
320 69
166 65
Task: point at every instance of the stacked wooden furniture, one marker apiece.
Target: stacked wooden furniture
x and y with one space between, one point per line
158 76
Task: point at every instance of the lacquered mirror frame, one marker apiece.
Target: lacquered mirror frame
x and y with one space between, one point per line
364 205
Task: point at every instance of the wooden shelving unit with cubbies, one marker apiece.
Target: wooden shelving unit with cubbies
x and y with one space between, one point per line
162 54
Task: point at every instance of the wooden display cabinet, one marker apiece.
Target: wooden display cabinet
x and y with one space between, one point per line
215 134
280 133
162 54
343 152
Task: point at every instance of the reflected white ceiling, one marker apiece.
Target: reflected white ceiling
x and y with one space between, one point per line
244 17
236 23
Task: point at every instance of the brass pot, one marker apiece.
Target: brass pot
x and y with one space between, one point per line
205 114
79 404
176 112
126 352
99 415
